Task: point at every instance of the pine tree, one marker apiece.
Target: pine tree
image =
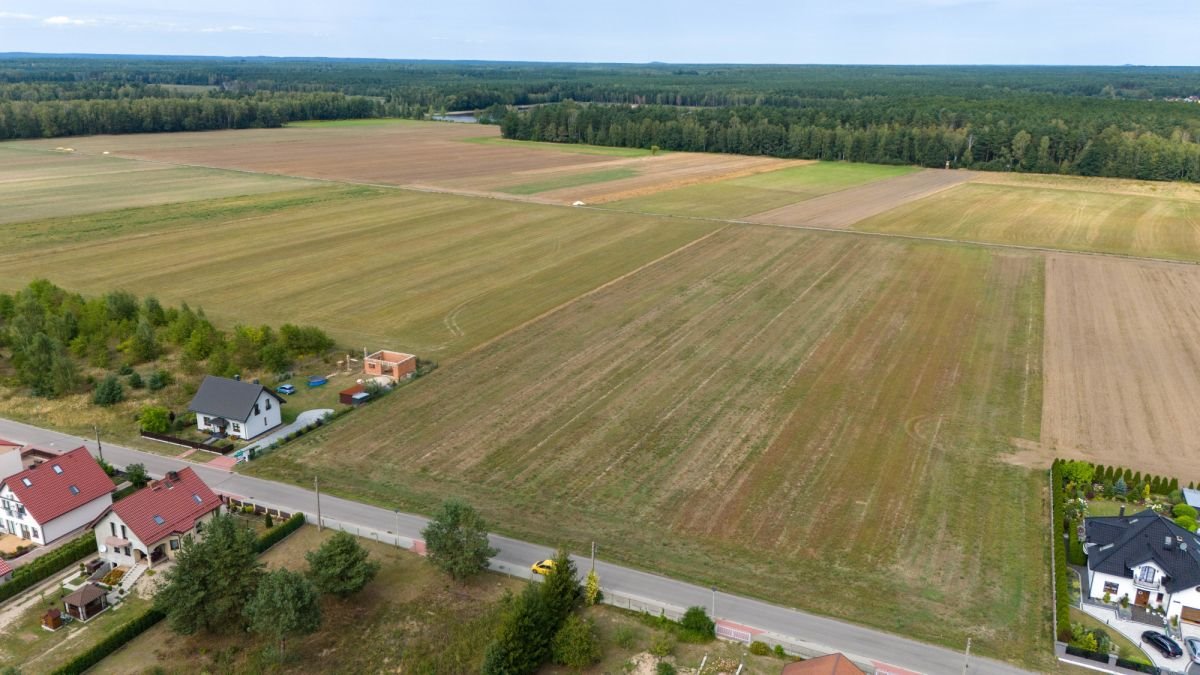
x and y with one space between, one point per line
284 604
340 566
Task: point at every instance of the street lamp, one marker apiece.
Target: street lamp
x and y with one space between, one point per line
714 591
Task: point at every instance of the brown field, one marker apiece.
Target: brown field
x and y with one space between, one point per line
416 154
1112 186
846 207
1123 364
795 415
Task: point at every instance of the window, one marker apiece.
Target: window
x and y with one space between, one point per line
57 469
268 404
158 520
174 544
123 535
199 526
235 427
1111 587
1146 574
74 490
34 532
27 482
1159 598
127 551
113 526
256 410
196 498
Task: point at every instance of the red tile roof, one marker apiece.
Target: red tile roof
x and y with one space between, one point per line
5 568
52 493
177 502
9 444
830 664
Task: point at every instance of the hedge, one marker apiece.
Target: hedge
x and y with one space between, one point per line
110 644
60 559
1137 665
1159 485
1061 587
1087 654
277 533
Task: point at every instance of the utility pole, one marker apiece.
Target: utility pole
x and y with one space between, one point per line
397 527
714 615
593 556
99 448
967 657
317 487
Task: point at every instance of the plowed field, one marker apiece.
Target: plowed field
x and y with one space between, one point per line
802 416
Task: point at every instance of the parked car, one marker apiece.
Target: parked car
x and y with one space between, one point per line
543 567
286 389
1193 647
1162 643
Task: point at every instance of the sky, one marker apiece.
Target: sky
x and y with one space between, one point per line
1083 32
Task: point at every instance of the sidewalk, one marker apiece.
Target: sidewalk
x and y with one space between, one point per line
1133 631
302 420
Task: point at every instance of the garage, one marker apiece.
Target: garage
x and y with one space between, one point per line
1190 615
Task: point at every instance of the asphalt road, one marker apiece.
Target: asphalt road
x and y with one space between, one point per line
860 643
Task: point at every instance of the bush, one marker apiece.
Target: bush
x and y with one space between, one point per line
779 652
108 392
135 381
662 645
51 563
696 624
665 668
276 534
1184 510
1061 587
625 637
268 522
110 644
155 419
158 379
1186 522
759 648
576 644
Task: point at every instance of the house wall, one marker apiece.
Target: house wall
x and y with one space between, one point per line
267 418
1188 597
1125 587
80 517
20 525
104 529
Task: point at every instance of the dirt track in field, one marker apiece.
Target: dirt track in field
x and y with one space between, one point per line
1122 364
422 155
846 207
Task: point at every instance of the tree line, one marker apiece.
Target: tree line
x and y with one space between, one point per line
49 336
1036 136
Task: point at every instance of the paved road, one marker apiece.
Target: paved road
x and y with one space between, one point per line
860 643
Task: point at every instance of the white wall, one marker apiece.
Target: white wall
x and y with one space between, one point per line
103 531
10 462
80 517
1126 587
11 522
266 419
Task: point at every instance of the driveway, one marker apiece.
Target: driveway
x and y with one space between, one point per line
1133 630
302 420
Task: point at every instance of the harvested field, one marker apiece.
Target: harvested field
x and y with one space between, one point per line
568 181
37 184
1112 186
430 274
793 415
739 197
847 207
1082 220
444 156
1123 364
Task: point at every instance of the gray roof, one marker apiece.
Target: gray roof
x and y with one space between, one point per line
231 399
1117 544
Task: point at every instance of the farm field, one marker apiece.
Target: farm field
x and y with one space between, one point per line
1145 188
740 197
431 274
445 156
792 415
1073 219
36 184
1122 386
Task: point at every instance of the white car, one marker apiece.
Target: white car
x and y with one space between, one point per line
1193 648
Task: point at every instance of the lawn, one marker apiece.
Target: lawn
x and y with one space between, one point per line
568 181
37 184
1127 648
739 197
1080 220
26 644
805 417
429 274
576 148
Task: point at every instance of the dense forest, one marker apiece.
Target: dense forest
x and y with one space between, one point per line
1113 121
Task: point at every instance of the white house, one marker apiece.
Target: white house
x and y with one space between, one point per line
226 407
55 497
150 524
1147 558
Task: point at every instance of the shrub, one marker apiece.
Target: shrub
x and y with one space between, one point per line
135 381
126 369
341 566
1061 587
696 624
625 637
665 668
158 380
1186 522
779 652
276 534
268 522
759 648
51 563
576 644
97 652
108 392
155 419
1183 510
662 645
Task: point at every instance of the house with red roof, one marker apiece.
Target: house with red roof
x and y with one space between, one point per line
149 525
6 571
55 498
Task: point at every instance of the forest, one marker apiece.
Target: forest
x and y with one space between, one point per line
1123 121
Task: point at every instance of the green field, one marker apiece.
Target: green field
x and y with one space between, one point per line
740 197
577 148
817 419
1077 220
430 274
37 184
568 181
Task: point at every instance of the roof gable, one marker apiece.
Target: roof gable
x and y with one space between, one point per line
167 506
228 398
1122 543
60 485
830 664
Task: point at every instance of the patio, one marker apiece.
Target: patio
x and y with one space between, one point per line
11 543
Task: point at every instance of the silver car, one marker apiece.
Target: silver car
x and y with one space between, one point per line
1193 648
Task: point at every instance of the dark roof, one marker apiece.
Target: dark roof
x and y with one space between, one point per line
231 399
176 502
60 485
85 595
1117 544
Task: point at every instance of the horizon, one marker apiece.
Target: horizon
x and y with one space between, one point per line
859 32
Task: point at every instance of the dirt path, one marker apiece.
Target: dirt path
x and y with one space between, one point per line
846 207
1122 364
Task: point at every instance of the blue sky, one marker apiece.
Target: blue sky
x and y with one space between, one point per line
697 31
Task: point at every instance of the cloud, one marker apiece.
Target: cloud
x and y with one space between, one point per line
17 16
67 21
227 29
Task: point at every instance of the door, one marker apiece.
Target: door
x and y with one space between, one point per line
1142 599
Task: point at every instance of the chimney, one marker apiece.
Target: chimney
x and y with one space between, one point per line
173 475
1122 510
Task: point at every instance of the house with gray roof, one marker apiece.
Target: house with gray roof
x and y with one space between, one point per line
227 407
1146 558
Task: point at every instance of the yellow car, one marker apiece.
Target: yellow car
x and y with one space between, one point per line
543 567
